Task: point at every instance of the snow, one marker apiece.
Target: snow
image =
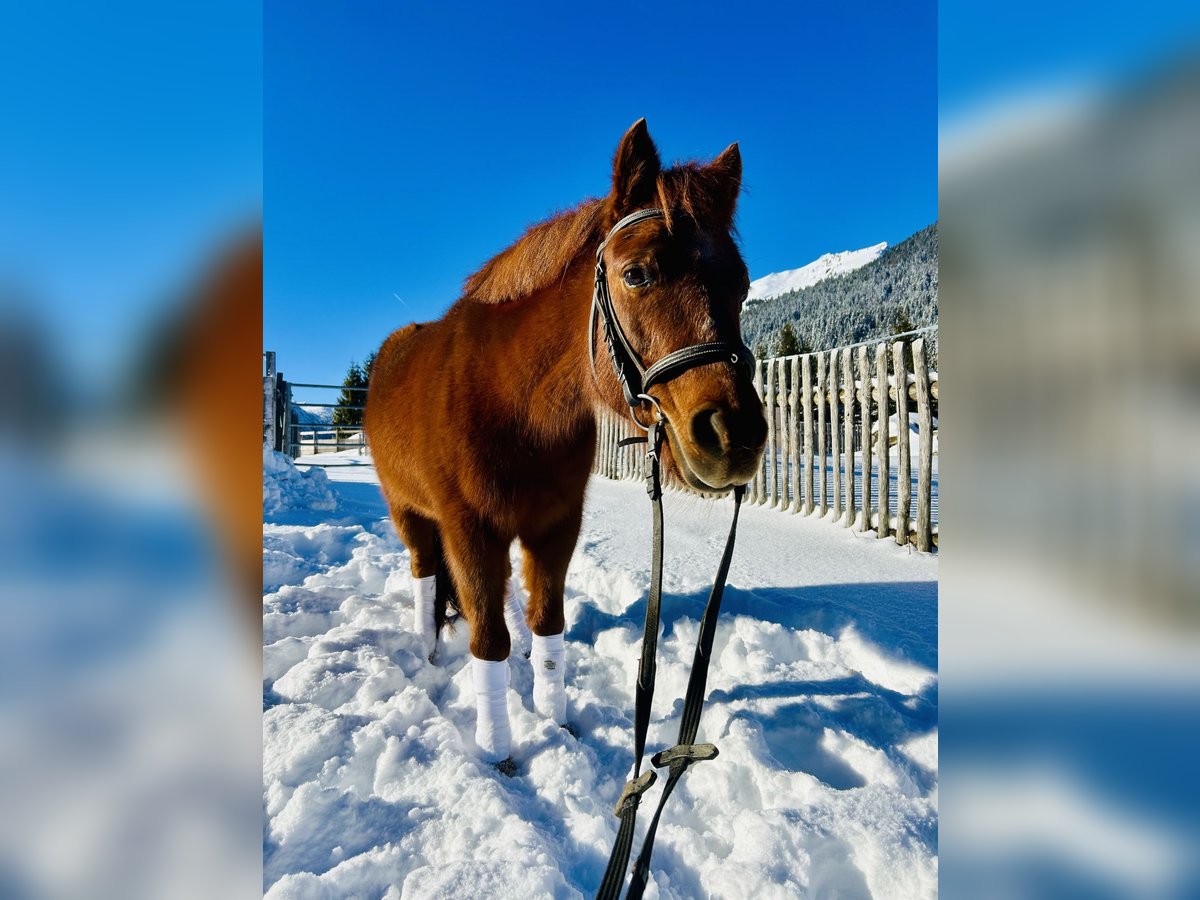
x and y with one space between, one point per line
822 700
286 488
819 269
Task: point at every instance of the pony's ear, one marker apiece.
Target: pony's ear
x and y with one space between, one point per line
726 170
635 169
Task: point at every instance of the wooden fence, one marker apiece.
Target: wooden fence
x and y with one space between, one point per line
819 408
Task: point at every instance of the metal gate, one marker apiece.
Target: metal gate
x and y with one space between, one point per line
287 429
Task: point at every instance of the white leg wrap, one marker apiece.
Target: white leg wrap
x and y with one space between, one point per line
423 600
493 733
514 618
549 694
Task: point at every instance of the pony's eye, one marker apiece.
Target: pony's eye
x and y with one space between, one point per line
635 276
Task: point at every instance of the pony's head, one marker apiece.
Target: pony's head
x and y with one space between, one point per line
679 280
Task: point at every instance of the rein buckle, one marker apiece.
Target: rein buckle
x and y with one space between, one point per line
681 756
631 796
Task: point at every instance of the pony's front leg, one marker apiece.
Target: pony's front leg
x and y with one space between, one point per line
547 555
478 560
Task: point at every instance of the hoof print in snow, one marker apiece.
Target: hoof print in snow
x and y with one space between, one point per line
506 767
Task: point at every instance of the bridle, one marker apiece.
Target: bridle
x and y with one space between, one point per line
636 381
634 378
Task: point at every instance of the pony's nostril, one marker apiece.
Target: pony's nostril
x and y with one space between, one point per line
710 431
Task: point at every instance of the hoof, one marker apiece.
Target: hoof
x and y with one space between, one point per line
506 767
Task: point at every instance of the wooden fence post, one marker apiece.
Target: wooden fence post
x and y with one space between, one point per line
885 453
771 452
618 433
806 401
848 381
756 486
290 446
604 444
864 374
269 398
904 473
781 431
612 446
834 436
599 464
925 424
613 436
797 472
821 406
627 452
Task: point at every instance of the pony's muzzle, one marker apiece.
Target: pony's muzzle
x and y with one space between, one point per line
727 443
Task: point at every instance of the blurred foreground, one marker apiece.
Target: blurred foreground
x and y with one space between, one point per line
130 288
1070 592
129 712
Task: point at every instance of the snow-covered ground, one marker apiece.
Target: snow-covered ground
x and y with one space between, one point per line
822 699
819 269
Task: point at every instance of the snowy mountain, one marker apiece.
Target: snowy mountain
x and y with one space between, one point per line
312 415
818 270
893 292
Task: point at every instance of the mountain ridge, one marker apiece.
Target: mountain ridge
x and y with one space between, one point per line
824 266
895 292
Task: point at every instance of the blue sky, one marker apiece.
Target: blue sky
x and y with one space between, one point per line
132 151
405 144
988 53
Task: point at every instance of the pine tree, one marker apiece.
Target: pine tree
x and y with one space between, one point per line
343 414
901 323
789 344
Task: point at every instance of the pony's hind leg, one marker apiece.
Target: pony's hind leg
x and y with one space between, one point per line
514 617
547 555
419 535
478 560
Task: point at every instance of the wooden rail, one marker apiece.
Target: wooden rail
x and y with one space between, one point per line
833 447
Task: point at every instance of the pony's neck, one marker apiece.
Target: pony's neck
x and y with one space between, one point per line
560 390
544 283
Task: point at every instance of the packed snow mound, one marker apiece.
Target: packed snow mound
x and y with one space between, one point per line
818 270
286 488
821 696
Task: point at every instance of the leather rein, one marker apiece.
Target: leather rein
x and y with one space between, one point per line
636 380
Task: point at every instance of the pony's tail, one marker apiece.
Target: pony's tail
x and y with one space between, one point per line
446 606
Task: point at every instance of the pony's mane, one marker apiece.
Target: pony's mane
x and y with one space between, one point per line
703 195
539 257
544 252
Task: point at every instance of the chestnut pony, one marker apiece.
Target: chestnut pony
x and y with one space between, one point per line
483 423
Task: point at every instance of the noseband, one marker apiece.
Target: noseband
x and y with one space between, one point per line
634 378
